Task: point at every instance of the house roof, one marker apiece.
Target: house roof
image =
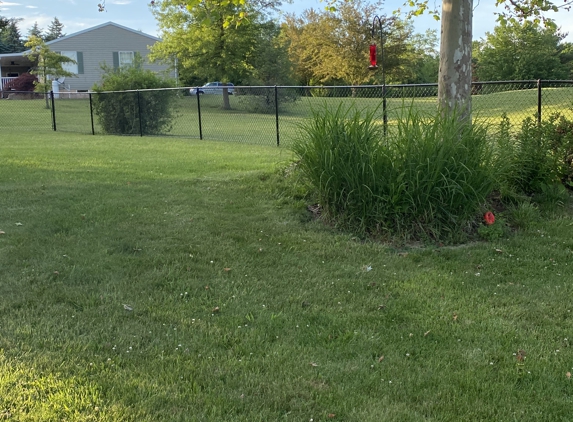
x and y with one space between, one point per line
102 26
21 54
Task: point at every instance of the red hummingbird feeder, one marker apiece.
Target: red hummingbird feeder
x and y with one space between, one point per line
373 64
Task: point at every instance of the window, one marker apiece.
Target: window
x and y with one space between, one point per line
70 67
77 67
125 58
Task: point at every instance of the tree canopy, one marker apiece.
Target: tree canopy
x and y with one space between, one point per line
48 64
328 47
55 30
10 37
519 51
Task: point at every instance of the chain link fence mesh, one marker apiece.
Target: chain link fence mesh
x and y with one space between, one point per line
265 115
24 111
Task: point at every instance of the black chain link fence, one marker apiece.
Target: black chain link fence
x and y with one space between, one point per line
264 115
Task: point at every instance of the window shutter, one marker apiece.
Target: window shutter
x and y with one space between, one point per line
115 60
80 63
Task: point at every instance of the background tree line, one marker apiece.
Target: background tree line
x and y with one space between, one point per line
330 47
12 41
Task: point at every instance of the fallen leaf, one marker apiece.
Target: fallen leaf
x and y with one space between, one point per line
331 415
381 307
520 355
215 309
568 375
227 269
427 332
2 232
18 224
499 251
314 365
206 287
56 272
127 307
381 358
455 316
403 254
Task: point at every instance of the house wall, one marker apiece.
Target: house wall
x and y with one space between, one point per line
98 46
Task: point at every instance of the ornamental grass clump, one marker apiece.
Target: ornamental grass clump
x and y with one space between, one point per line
427 179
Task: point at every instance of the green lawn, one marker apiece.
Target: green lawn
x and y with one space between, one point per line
164 279
241 125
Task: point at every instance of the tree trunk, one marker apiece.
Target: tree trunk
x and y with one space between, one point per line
455 76
226 102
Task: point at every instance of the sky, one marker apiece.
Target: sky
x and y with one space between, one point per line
77 15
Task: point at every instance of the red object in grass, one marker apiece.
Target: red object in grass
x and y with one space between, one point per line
373 55
489 218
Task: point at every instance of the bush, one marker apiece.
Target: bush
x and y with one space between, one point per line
135 112
539 155
428 179
23 83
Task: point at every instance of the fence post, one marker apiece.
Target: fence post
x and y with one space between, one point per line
277 114
92 113
199 114
139 113
384 109
539 101
53 111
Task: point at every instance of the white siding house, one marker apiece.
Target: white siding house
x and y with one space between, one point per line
108 43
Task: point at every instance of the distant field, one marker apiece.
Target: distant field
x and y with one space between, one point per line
241 124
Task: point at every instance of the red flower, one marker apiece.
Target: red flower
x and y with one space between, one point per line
489 218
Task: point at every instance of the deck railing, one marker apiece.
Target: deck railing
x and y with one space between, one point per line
5 80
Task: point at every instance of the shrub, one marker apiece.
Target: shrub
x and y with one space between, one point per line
127 110
427 179
537 156
23 83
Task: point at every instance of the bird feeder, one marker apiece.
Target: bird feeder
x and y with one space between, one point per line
373 65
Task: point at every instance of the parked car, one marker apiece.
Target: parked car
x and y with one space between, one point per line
212 88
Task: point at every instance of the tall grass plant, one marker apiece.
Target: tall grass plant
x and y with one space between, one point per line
426 179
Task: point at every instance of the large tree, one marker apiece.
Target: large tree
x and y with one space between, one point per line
48 65
216 51
519 51
454 82
10 37
333 46
55 30
35 31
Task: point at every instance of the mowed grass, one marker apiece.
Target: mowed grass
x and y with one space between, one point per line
241 125
163 279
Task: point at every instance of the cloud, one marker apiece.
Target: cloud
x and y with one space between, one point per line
31 7
121 2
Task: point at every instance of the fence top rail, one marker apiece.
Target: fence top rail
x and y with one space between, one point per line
530 81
